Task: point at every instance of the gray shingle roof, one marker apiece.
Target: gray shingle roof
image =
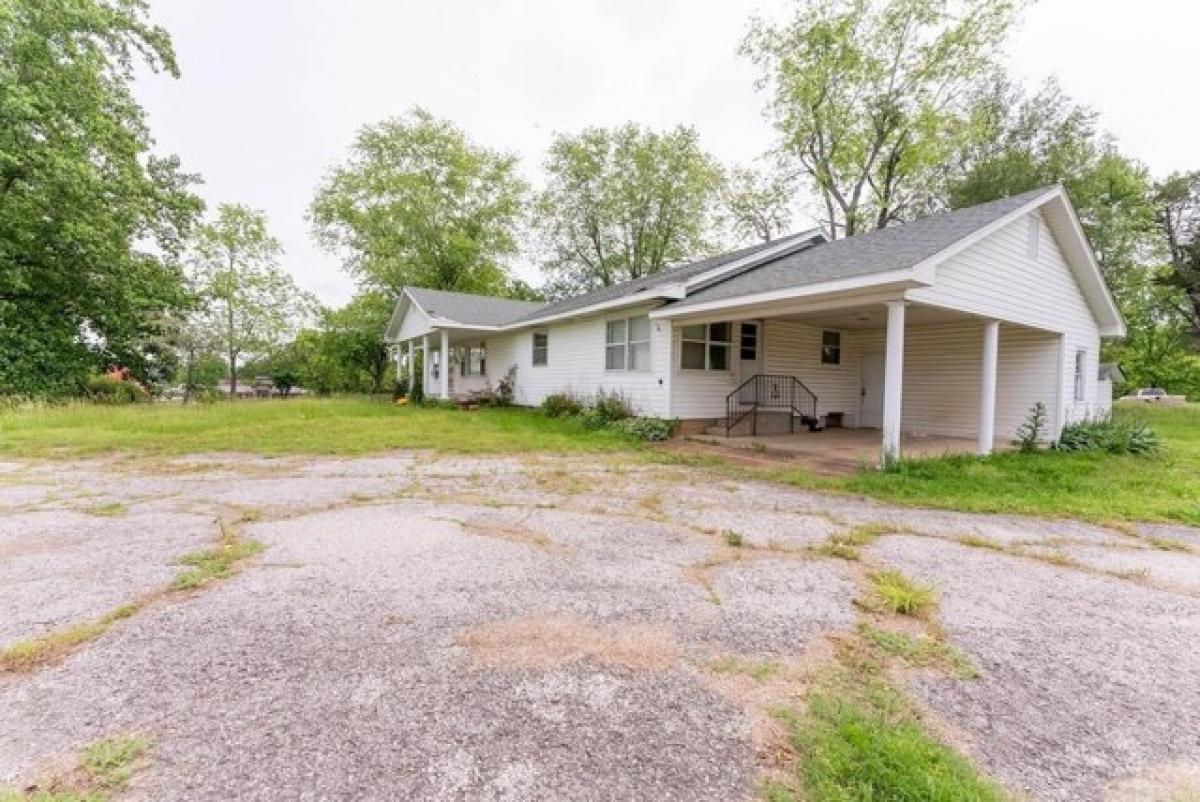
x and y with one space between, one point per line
880 251
472 310
670 276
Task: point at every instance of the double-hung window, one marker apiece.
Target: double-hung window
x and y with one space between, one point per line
473 361
541 348
627 343
705 346
831 348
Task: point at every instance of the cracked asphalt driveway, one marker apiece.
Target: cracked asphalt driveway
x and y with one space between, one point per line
547 628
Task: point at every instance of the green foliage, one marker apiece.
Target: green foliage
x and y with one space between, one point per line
732 538
1031 431
352 337
652 430
1177 200
899 594
91 222
757 205
608 407
623 203
110 761
113 389
248 304
562 405
418 204
1111 436
870 99
867 745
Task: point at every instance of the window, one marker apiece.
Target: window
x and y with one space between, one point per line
749 342
627 344
705 347
1080 359
831 348
541 348
473 361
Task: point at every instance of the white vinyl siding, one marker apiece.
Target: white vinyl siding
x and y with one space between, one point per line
577 364
1000 278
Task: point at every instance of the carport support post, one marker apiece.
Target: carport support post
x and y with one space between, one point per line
412 365
444 363
893 382
987 387
426 362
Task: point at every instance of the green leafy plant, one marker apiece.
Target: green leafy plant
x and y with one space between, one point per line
733 538
562 405
608 407
113 388
1029 433
1113 437
649 429
899 594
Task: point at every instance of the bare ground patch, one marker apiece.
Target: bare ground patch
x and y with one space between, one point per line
545 642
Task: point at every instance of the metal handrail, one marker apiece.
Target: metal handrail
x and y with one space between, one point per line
769 391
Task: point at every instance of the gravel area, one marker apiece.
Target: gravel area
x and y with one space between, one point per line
546 628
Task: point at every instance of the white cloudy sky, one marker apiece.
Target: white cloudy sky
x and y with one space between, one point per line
274 90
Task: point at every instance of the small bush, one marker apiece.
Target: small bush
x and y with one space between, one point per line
1113 437
654 430
111 388
562 405
610 407
1029 433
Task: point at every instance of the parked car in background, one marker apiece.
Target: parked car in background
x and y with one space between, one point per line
1153 395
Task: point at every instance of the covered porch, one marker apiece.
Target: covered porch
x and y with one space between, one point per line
864 379
450 363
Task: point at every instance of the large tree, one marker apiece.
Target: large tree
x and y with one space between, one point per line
757 204
91 222
353 337
1178 204
418 203
871 97
249 304
1030 141
623 203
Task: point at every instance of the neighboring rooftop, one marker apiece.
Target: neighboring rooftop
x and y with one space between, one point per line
472 310
880 251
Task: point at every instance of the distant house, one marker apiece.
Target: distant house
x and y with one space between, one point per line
955 324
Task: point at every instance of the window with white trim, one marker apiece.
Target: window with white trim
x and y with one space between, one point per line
705 346
541 349
473 361
627 343
831 348
1080 362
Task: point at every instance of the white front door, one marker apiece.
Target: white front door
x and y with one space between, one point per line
750 353
870 401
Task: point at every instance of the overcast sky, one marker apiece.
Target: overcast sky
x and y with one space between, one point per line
273 90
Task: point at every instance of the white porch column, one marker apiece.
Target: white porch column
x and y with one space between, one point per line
893 381
987 386
425 362
412 364
444 363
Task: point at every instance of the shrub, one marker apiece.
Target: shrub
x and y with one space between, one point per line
113 389
562 405
433 402
1030 432
506 390
611 407
1114 437
654 430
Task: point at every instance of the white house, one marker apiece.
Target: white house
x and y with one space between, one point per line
954 325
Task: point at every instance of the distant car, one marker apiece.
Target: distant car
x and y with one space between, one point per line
1153 395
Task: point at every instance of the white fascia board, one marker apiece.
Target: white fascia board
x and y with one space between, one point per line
670 292
906 277
781 248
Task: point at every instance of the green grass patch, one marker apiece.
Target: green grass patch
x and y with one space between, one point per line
114 509
215 563
348 426
860 741
734 539
28 654
758 670
897 593
921 652
105 766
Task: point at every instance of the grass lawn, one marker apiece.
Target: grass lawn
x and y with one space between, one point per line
1095 487
296 426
